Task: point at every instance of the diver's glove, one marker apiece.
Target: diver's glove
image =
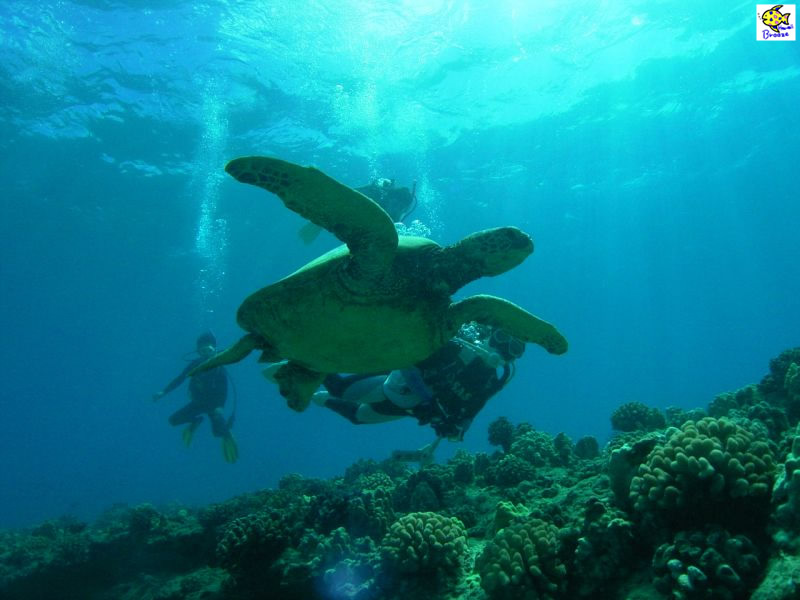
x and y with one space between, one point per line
157 396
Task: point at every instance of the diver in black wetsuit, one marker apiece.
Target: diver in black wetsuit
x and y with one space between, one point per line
208 392
398 202
446 390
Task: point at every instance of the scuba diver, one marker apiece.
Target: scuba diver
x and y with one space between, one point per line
207 394
446 390
398 202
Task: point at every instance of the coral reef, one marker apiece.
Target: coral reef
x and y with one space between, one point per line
786 500
423 554
424 543
635 416
710 564
536 448
750 404
700 503
781 387
587 447
781 581
522 561
779 367
624 461
501 432
676 416
253 540
709 471
791 382
510 471
604 548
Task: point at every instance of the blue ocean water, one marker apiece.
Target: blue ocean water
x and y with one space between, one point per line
650 149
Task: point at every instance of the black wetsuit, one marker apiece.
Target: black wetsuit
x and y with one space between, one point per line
452 393
208 392
457 391
397 202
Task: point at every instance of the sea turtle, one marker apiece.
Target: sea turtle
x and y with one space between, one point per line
378 303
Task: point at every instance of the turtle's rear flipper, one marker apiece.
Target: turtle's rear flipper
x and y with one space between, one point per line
516 321
235 353
349 215
297 384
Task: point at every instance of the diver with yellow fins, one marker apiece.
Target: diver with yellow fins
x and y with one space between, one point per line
398 202
208 392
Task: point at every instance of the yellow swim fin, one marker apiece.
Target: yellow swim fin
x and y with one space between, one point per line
188 434
229 448
309 232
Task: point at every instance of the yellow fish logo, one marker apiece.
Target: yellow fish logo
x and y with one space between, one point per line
773 17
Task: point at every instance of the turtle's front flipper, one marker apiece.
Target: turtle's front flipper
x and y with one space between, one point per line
297 384
349 215
235 353
497 312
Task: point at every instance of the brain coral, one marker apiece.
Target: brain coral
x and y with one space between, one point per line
522 562
709 471
424 543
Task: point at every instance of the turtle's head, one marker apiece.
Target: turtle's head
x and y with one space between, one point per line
486 253
500 249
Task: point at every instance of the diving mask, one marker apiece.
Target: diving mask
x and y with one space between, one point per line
507 345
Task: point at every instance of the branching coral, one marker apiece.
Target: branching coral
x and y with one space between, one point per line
791 382
635 416
522 562
463 467
587 448
369 509
510 471
536 448
707 564
501 433
251 543
711 470
775 381
786 500
750 403
604 548
424 543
